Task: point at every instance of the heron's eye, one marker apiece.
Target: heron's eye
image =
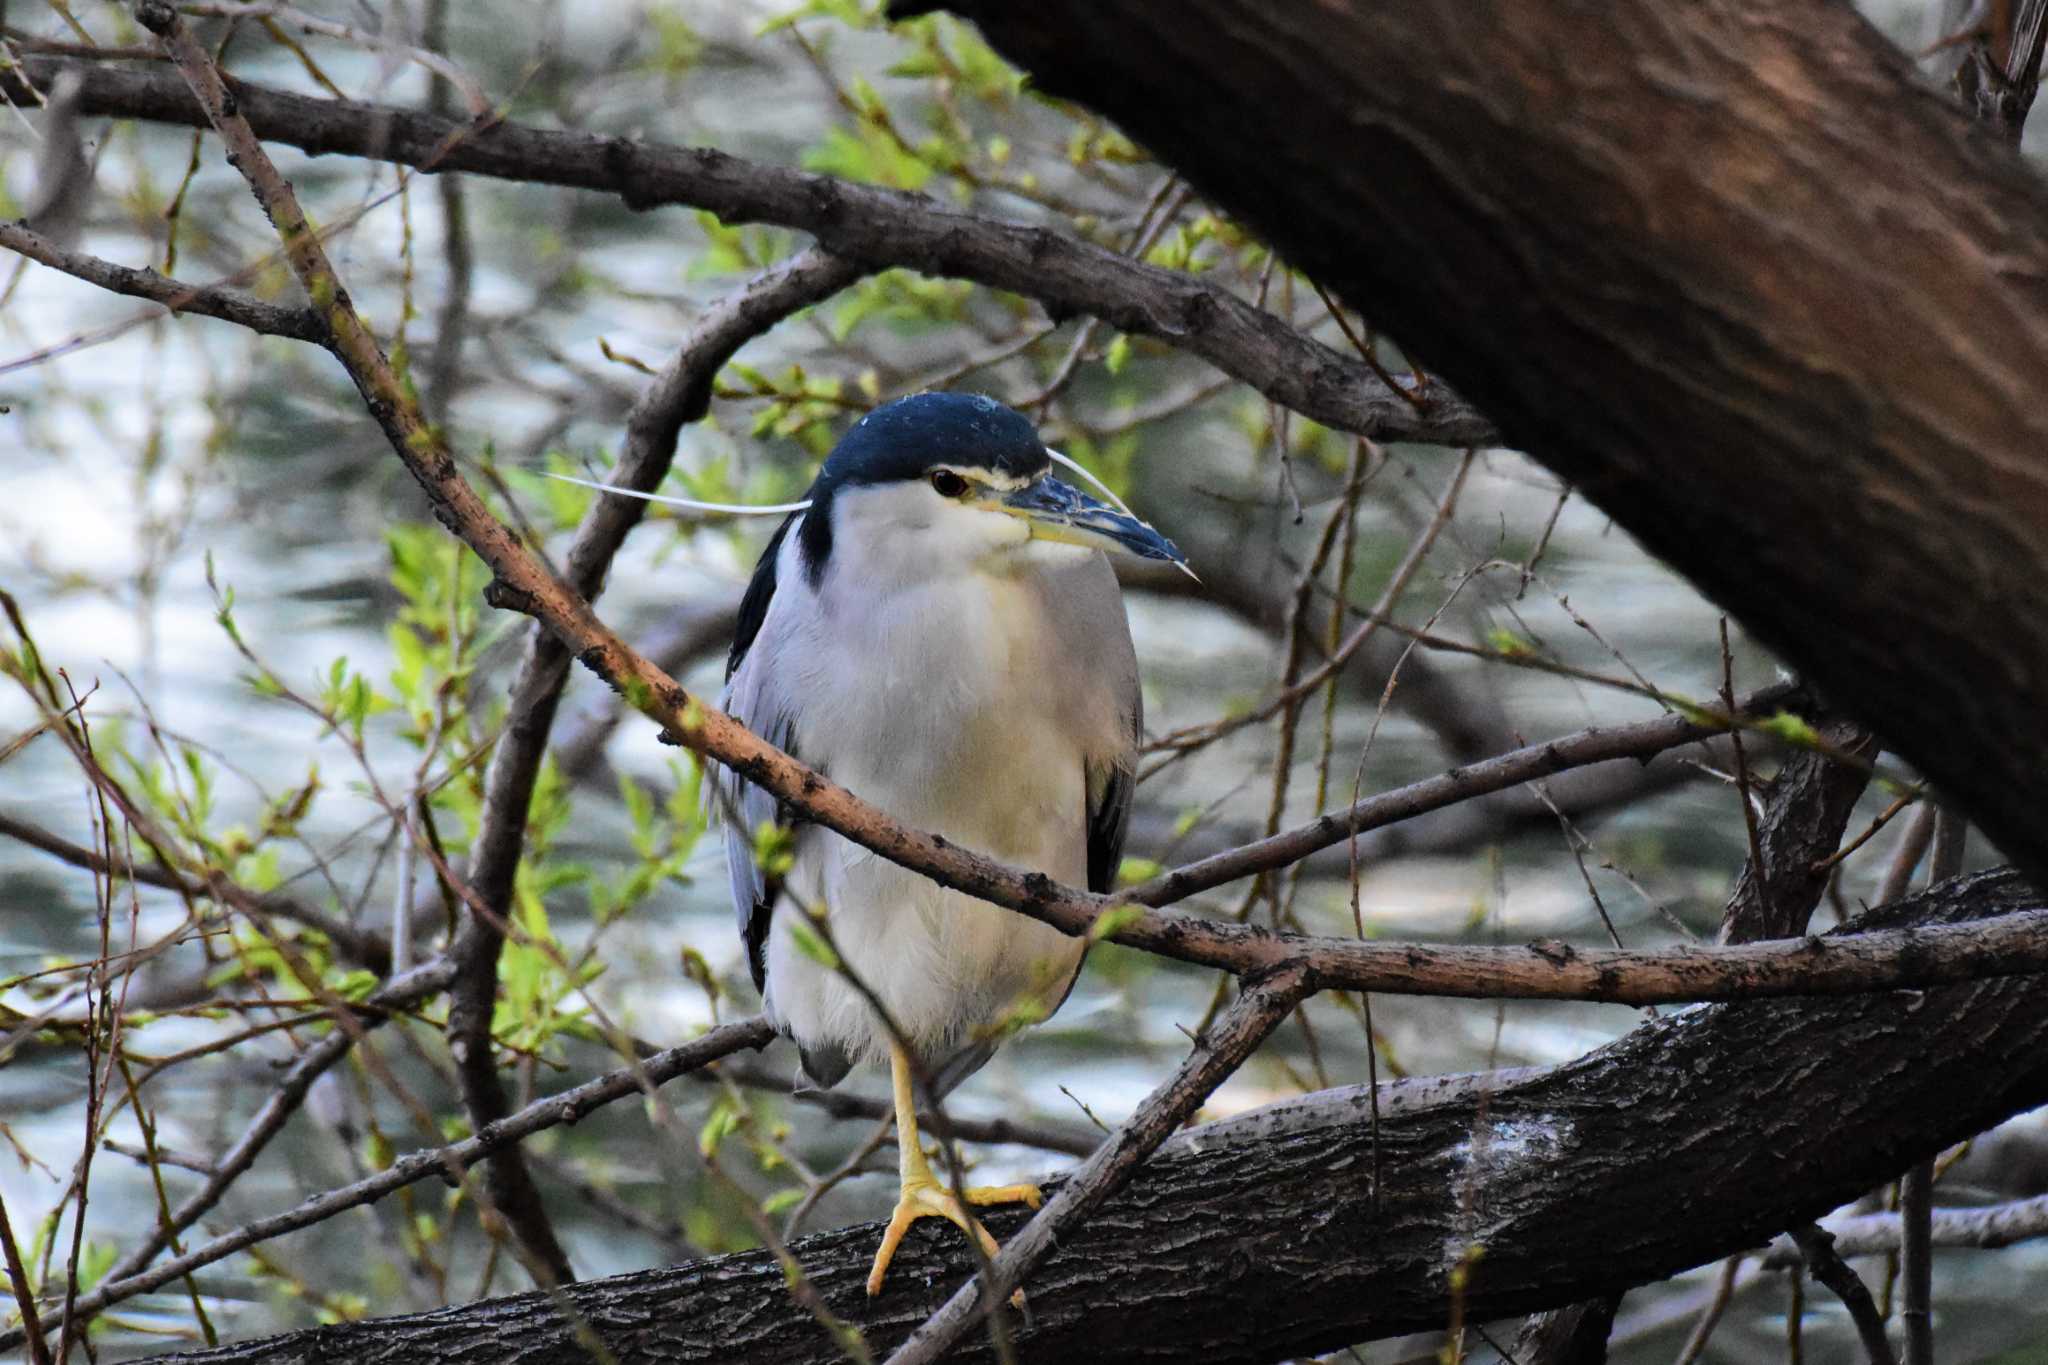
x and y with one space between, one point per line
947 484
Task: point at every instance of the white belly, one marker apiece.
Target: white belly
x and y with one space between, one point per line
949 969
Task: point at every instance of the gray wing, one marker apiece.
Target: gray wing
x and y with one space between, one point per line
1094 612
752 698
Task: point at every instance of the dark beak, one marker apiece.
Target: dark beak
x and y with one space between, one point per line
1059 511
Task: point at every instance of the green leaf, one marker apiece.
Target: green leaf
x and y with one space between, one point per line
1792 729
1114 921
724 1118
1119 353
811 944
774 848
1131 871
1505 642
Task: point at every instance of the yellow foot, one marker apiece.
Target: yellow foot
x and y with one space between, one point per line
929 1199
1004 1194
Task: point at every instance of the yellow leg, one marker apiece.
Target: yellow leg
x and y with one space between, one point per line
921 1194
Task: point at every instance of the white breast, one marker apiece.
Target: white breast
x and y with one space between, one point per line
958 706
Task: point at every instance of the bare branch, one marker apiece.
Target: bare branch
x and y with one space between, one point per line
1802 823
1985 1229
401 992
367 948
213 301
1818 1247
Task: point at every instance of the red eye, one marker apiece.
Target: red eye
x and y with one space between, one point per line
947 484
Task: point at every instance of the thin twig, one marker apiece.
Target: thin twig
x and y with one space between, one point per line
1983 1229
208 300
1916 1187
548 1112
1703 1330
17 1278
1818 1247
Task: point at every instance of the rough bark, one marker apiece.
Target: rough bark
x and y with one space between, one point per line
1701 1133
1729 267
1805 814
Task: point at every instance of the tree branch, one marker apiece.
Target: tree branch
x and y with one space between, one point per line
1874 1234
1817 1246
362 946
1803 821
399 993
1697 1135
1257 1012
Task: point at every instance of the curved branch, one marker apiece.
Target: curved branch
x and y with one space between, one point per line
207 300
680 394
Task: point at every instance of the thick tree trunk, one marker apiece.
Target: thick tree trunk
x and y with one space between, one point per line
1289 1231
1729 266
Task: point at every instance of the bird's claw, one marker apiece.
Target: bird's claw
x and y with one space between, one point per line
929 1199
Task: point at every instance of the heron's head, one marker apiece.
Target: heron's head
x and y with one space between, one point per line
951 483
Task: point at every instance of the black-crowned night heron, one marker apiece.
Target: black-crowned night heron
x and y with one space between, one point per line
937 629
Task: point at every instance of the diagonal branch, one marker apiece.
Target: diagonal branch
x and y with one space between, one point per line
1817 1245
397 994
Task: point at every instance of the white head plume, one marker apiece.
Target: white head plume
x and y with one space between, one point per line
730 508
